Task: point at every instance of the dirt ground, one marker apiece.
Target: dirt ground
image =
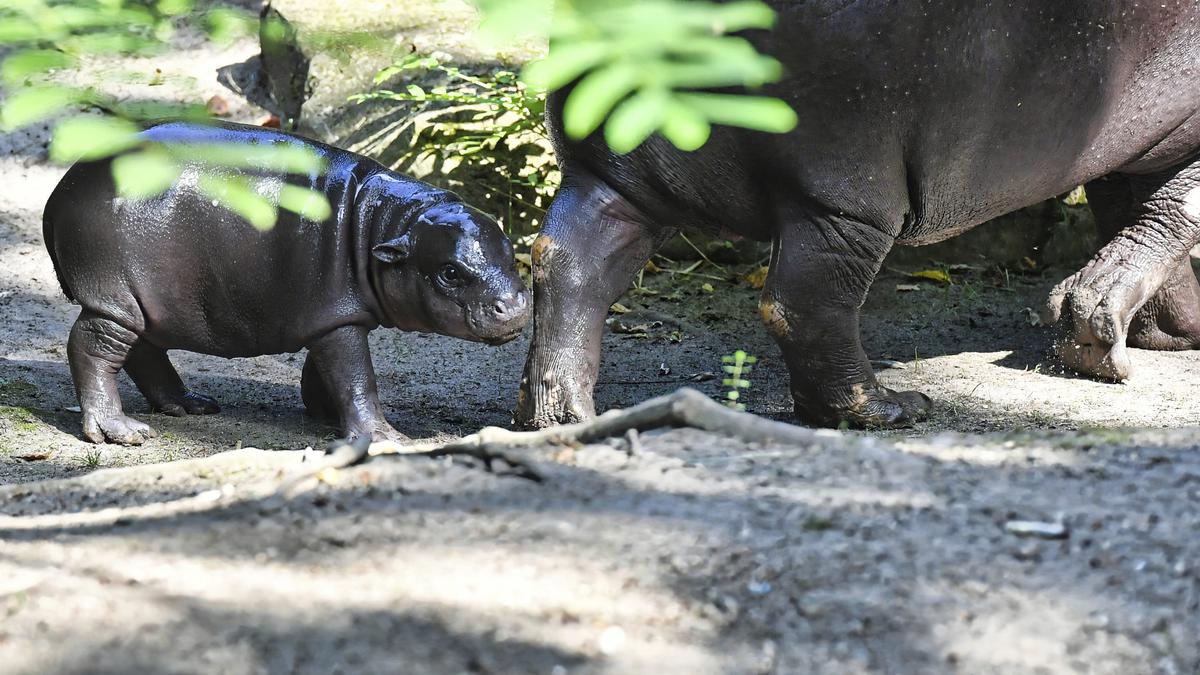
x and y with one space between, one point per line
887 552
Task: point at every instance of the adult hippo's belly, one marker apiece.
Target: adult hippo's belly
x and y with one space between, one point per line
918 120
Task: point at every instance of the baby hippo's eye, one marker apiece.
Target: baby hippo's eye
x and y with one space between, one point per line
449 275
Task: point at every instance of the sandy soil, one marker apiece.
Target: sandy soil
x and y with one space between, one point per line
692 553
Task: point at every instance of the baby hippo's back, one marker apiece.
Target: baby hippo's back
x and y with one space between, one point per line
184 272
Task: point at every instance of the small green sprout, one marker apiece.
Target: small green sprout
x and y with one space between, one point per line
737 365
92 459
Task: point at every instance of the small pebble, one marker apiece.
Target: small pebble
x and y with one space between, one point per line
611 640
1034 528
758 587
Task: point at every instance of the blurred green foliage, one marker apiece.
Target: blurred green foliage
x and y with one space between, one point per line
643 66
491 120
48 41
636 67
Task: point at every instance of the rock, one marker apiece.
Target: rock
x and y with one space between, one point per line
1039 529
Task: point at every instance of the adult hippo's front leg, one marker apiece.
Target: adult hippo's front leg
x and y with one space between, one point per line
821 269
591 246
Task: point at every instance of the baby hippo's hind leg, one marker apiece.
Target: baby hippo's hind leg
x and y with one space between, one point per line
97 349
158 381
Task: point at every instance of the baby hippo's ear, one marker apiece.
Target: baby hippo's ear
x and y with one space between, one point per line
393 251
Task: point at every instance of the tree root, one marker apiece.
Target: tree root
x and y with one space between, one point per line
685 407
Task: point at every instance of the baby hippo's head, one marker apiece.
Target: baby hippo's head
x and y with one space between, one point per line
452 271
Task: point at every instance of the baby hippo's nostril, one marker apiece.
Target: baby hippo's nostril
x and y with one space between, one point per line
511 306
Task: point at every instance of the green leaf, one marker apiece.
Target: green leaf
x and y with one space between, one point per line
22 64
146 174
505 21
106 42
174 7
236 195
14 30
752 112
226 25
634 120
309 204
736 16
564 65
595 96
36 104
278 157
684 127
91 137
416 92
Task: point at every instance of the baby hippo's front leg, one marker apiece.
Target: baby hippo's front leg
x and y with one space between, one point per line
346 381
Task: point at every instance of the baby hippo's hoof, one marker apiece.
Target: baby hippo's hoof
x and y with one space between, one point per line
116 429
190 403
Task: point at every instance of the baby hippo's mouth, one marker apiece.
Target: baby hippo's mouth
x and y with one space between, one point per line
501 339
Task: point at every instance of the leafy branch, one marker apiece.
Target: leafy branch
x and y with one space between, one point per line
47 40
494 121
646 66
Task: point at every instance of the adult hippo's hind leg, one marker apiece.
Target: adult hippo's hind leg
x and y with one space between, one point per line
1145 266
158 381
97 350
821 269
590 248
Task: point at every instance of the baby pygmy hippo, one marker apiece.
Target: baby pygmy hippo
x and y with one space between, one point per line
179 271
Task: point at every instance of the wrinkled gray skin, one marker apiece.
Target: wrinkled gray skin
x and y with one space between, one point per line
179 272
918 120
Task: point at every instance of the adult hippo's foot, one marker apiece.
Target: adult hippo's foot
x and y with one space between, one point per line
821 268
591 246
1139 289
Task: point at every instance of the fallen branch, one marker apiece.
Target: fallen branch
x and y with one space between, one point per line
683 408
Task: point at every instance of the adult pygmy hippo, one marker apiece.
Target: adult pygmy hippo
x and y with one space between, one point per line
179 271
918 120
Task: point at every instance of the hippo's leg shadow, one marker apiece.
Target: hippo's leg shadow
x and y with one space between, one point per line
822 265
159 382
1139 289
97 350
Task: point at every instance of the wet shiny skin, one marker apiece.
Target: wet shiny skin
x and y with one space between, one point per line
917 120
180 272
